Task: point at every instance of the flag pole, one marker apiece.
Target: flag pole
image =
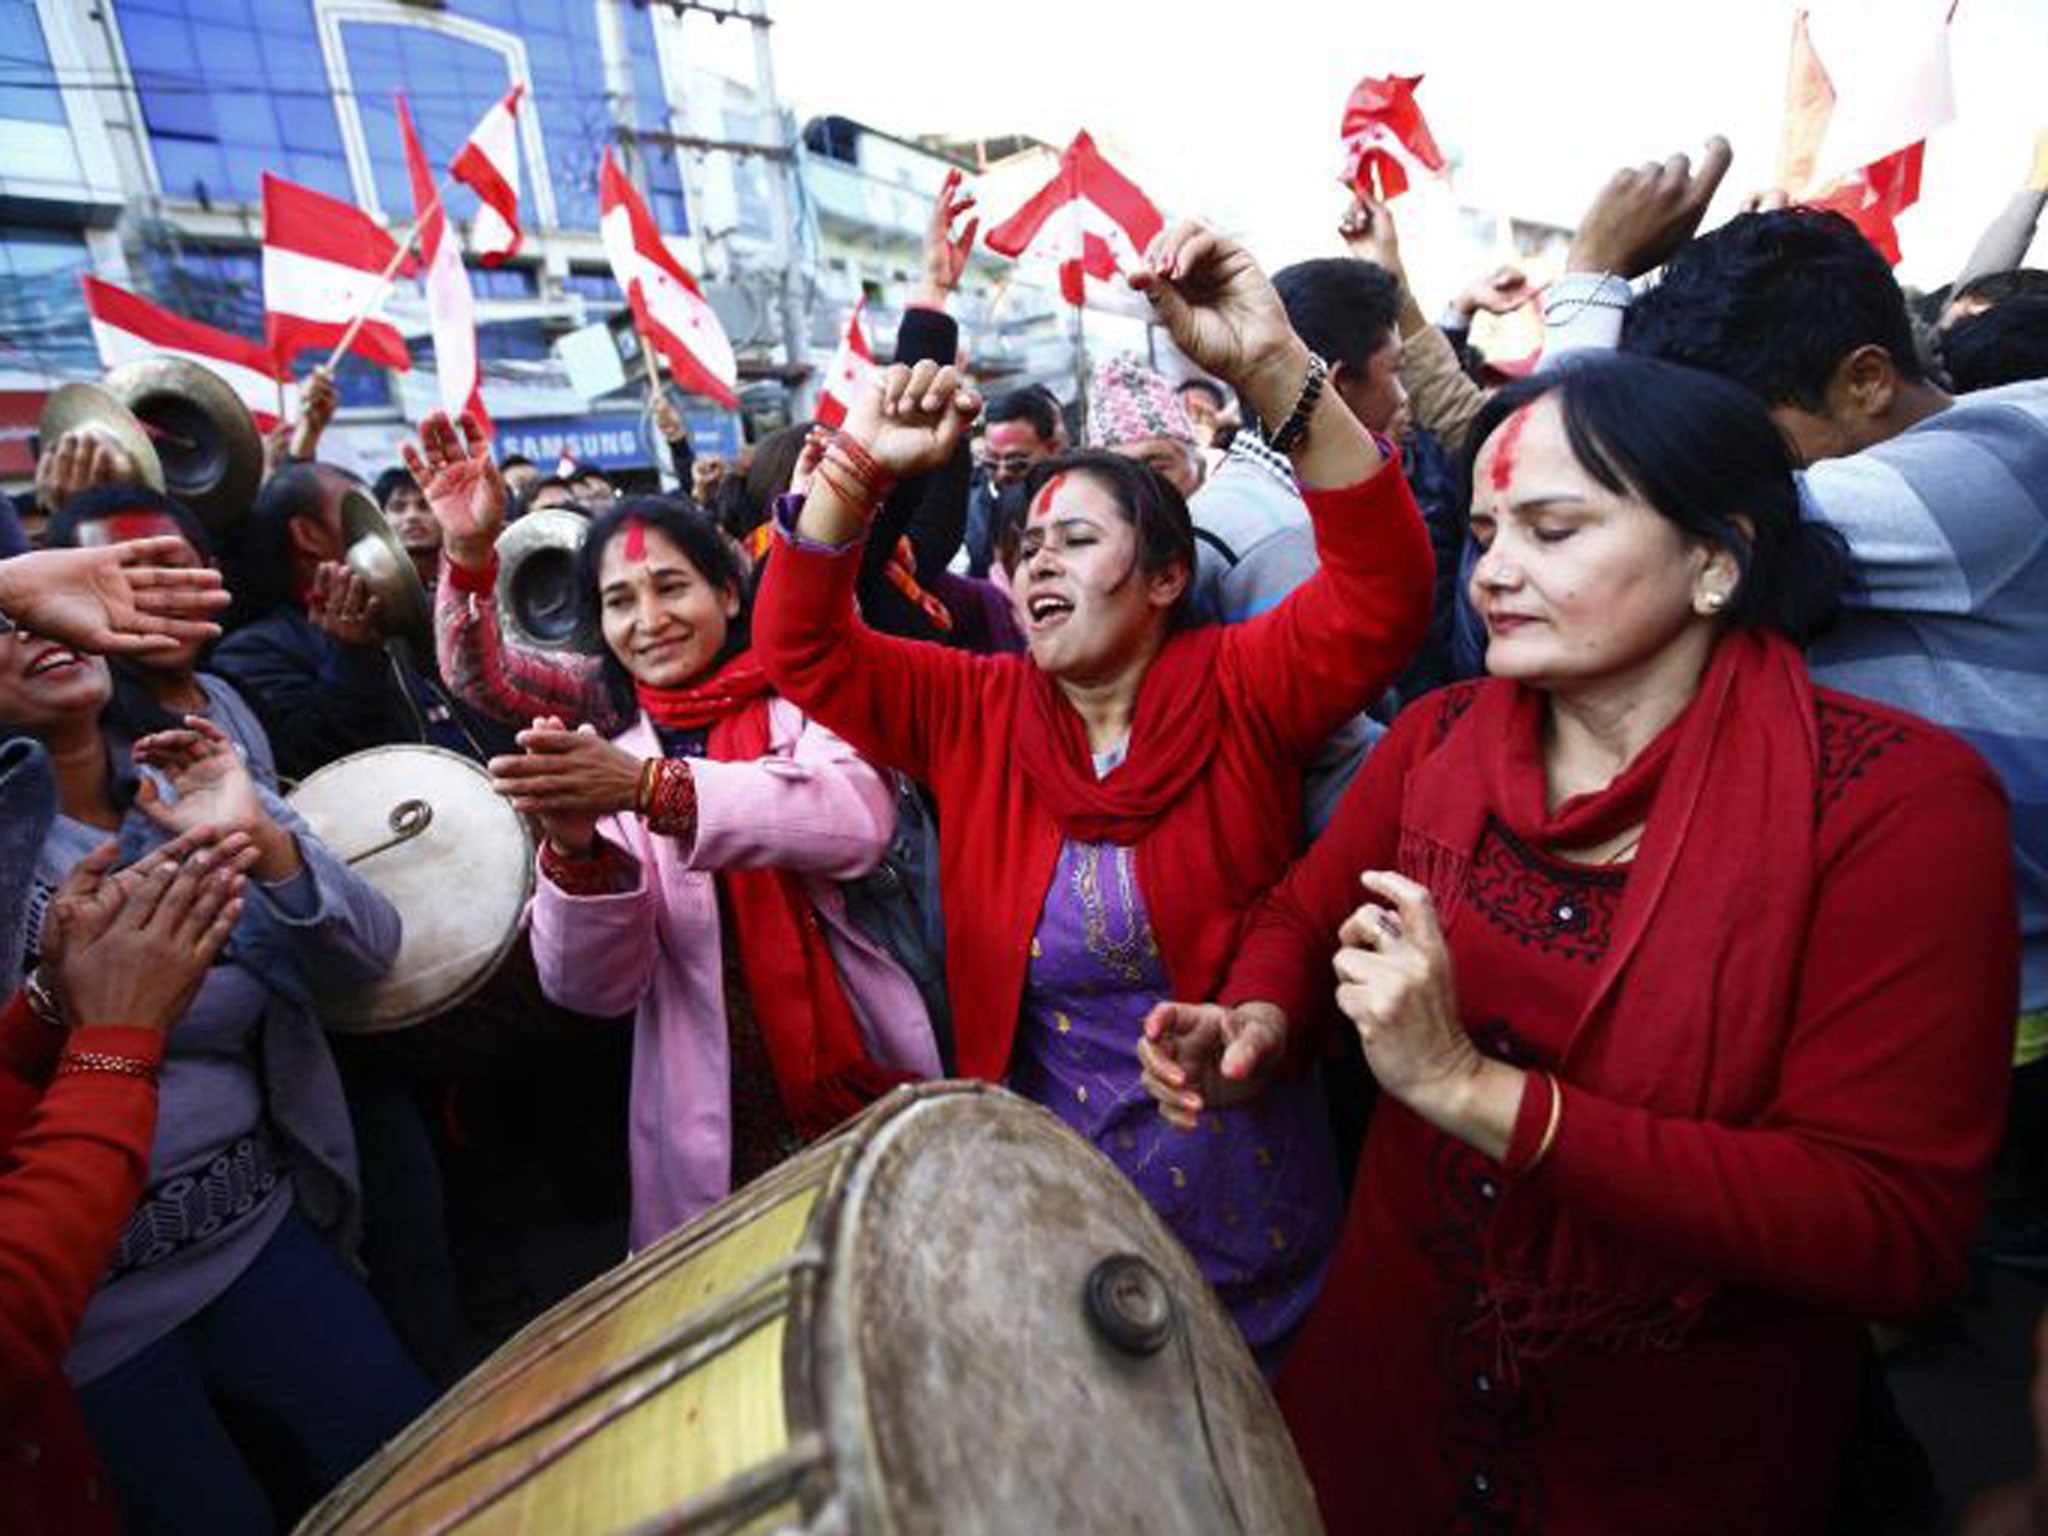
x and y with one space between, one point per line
1080 343
390 271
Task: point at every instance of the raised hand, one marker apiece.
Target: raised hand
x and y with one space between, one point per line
1500 292
77 461
462 485
567 780
1370 234
1221 309
343 608
945 254
911 418
114 600
1197 1056
213 792
317 402
1644 214
133 947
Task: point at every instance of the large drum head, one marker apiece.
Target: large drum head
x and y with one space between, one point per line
1030 1350
953 1319
425 828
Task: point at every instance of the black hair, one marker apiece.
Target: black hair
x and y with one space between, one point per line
1033 403
1208 387
256 557
396 478
680 521
112 497
1994 288
516 461
2000 345
531 494
767 475
588 472
1148 502
1703 452
1007 509
1344 309
1775 301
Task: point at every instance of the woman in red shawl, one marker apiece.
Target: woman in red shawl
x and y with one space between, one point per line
1112 803
1689 986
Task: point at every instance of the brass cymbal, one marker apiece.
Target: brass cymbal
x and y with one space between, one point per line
375 554
204 436
536 578
89 408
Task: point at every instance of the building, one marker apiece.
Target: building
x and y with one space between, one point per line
134 135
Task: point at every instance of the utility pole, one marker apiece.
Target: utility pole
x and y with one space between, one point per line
781 205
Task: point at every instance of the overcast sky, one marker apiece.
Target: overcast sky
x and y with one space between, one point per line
1231 111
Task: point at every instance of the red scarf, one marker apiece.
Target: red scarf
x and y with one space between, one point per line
822 1067
1174 732
1693 1002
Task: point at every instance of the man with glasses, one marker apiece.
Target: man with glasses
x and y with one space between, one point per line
1022 427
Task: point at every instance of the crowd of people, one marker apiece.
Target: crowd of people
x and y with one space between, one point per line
1541 882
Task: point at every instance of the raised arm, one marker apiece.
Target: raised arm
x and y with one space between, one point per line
1303 668
899 702
2003 245
466 493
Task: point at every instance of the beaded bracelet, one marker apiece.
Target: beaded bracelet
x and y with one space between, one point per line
591 876
105 1061
672 804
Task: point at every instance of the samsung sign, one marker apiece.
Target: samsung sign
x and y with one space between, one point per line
621 441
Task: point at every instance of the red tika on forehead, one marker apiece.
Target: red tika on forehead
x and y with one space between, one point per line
127 527
636 540
1044 501
1502 470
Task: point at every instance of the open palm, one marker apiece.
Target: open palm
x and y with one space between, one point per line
460 482
207 774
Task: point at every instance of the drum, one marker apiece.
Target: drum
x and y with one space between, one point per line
953 1316
424 827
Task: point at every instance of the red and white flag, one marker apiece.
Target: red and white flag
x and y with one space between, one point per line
1860 101
852 366
488 164
126 328
451 307
1091 222
323 264
667 303
1387 142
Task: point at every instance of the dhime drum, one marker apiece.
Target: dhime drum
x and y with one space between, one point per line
952 1317
424 827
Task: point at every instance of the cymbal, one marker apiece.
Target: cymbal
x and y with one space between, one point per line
205 438
536 587
376 555
89 408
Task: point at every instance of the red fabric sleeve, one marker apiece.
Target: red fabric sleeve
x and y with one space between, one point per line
897 702
1861 1185
69 1181
28 1050
1291 935
1304 668
508 682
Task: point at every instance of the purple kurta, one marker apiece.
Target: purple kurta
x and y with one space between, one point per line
1251 1191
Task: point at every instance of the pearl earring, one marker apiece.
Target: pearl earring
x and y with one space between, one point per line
1712 602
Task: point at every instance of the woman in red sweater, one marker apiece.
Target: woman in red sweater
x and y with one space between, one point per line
1689 986
122 955
1112 803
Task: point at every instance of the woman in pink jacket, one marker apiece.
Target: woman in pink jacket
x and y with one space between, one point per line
690 863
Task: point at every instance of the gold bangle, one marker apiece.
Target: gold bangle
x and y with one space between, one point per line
105 1061
643 797
1550 1129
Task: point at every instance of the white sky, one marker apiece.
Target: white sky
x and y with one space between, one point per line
1230 111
